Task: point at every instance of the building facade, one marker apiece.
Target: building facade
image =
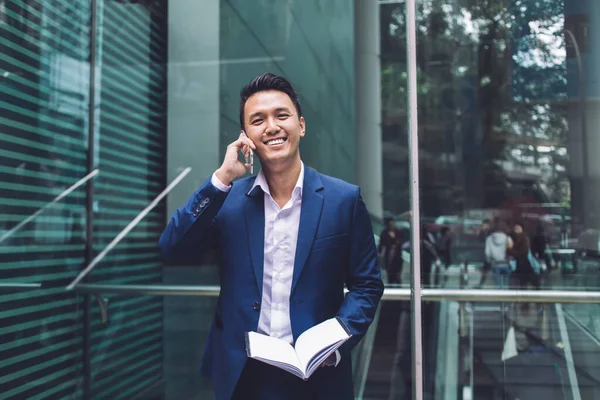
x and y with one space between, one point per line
114 111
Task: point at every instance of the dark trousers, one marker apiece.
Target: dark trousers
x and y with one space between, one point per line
394 270
260 381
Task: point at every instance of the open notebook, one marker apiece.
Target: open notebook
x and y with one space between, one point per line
312 347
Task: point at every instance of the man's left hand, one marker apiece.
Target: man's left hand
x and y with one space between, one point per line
331 361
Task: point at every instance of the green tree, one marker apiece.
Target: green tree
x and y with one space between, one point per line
492 84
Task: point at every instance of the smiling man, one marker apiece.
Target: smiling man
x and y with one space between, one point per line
290 238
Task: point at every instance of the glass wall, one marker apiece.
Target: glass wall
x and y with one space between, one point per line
312 45
105 103
44 95
506 128
507 131
86 150
82 155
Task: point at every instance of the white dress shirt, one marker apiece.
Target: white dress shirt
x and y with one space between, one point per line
281 238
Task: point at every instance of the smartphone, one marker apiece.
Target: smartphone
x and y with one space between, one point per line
251 156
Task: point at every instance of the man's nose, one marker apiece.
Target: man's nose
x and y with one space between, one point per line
272 126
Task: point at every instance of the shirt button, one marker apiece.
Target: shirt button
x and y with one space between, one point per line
256 306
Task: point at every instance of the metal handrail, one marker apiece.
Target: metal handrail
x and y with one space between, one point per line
20 286
390 294
128 228
154 290
58 198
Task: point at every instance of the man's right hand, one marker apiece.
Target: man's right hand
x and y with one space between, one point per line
232 167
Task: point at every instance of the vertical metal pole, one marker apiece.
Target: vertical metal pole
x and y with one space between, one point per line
87 360
413 143
89 243
584 144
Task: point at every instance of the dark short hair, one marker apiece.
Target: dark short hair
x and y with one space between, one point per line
267 81
519 223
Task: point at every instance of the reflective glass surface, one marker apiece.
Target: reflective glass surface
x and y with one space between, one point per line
105 103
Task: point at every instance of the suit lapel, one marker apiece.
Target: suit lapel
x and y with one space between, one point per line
254 210
312 204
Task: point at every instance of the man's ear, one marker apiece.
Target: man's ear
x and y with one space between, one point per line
302 127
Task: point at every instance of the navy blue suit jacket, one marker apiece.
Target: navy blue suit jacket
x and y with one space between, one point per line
335 248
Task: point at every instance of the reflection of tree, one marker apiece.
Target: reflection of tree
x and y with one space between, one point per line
492 85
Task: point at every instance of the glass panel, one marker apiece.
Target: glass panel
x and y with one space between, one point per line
130 137
501 138
507 99
394 251
127 354
486 351
44 84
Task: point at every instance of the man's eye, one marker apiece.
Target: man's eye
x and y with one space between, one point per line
283 116
257 121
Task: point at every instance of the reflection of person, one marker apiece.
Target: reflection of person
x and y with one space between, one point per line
526 315
446 247
539 246
290 238
524 272
429 254
390 250
497 245
484 231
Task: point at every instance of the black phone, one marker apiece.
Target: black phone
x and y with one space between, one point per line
251 156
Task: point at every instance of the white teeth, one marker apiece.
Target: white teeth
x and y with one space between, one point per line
276 141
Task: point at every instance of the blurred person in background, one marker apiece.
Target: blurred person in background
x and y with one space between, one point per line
539 246
484 231
445 247
497 245
524 272
526 316
390 250
429 254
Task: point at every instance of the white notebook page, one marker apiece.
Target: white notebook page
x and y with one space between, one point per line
318 337
266 347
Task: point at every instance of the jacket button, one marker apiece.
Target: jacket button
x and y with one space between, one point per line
256 306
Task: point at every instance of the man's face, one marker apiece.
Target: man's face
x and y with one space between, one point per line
272 123
518 229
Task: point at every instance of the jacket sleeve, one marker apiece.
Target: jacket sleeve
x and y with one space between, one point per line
363 277
191 230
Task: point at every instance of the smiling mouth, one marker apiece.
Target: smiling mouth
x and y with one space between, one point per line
275 142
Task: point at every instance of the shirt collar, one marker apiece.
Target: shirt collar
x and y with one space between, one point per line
261 181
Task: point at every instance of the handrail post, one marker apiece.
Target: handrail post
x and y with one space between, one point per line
462 320
86 345
89 221
545 330
413 144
